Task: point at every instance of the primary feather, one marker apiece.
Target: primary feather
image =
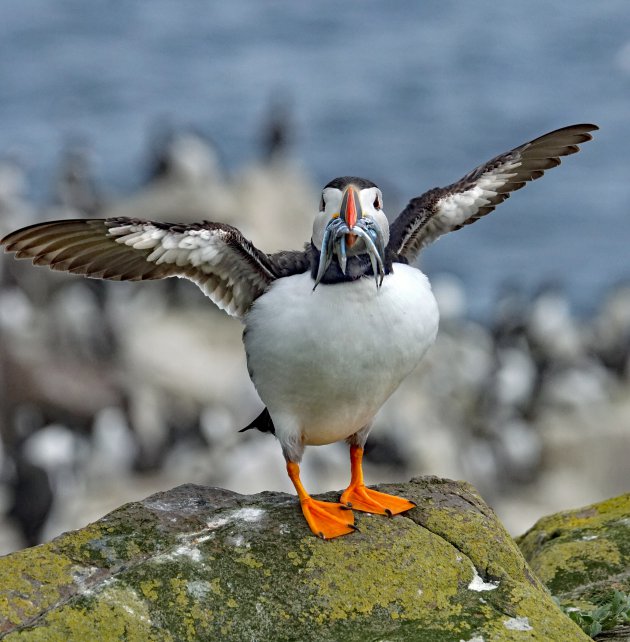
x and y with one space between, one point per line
445 209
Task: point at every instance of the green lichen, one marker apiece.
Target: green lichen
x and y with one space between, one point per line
567 561
582 554
117 614
173 596
117 538
581 522
516 601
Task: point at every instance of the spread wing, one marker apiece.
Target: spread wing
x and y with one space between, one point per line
215 256
445 209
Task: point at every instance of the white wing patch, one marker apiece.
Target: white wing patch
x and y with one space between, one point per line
456 208
220 271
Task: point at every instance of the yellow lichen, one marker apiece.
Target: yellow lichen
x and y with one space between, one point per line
580 553
614 508
483 540
149 588
132 549
249 560
31 581
181 605
118 614
215 586
179 592
590 517
354 576
572 556
75 544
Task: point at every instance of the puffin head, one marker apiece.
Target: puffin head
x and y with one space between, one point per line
351 222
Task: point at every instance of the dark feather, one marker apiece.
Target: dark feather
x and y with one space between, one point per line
263 422
343 181
445 209
290 262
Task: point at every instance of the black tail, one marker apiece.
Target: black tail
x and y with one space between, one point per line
263 422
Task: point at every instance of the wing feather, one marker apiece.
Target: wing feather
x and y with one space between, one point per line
226 266
445 209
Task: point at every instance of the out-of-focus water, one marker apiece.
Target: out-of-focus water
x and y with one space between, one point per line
409 94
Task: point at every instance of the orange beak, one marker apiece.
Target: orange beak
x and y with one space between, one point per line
350 212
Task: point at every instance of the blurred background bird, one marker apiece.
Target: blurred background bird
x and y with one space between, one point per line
537 426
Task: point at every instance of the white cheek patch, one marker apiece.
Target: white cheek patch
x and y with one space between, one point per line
332 204
367 197
332 197
381 220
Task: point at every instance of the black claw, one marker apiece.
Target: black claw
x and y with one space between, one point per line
349 504
346 507
389 512
320 534
353 527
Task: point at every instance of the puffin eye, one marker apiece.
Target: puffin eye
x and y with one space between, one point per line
377 204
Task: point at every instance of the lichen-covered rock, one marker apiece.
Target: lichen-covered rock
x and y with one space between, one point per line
583 555
198 563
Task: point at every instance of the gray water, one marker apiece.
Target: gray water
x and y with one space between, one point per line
409 94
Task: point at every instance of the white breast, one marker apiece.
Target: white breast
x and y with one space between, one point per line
325 361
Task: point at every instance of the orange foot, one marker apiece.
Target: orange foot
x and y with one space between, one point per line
327 519
358 497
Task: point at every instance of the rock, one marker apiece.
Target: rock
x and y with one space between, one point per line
197 563
583 555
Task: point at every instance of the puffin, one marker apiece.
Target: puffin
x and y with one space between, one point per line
330 330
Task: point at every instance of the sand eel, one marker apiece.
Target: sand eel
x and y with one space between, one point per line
330 330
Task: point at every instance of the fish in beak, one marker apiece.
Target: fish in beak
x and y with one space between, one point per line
342 234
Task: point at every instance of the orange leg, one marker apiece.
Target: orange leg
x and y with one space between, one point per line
326 519
358 497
